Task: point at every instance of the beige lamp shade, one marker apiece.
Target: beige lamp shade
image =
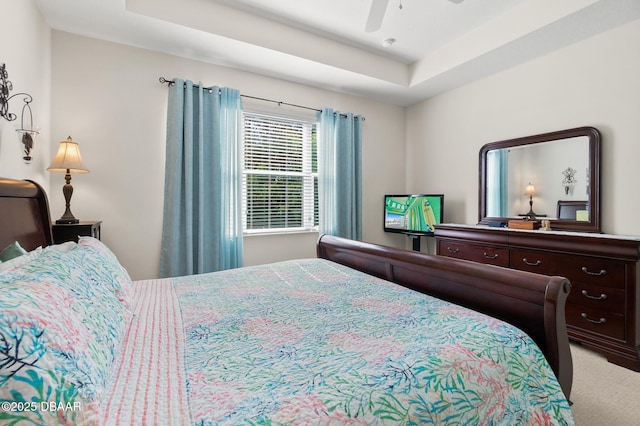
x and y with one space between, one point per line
529 190
68 159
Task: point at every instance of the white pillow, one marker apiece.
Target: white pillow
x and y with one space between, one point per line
21 260
64 247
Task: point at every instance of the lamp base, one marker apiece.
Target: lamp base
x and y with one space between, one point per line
67 190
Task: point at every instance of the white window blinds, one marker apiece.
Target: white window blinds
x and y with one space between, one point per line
280 179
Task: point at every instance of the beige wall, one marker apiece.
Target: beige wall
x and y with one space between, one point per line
25 49
593 83
108 98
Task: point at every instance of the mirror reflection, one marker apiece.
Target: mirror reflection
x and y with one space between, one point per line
554 176
529 180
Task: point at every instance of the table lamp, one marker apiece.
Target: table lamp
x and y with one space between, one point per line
530 190
68 160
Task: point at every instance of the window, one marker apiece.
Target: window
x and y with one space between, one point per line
280 174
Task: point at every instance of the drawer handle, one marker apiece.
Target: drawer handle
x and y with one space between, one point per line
600 321
486 256
454 251
588 296
602 272
536 263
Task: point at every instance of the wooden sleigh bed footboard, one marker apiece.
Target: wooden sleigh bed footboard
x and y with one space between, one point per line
532 302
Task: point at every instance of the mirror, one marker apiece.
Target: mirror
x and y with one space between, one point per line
554 176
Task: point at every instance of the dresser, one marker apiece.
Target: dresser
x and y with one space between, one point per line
602 310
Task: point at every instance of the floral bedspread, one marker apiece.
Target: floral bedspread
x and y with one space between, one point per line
313 342
298 342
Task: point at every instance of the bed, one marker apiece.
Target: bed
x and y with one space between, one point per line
362 334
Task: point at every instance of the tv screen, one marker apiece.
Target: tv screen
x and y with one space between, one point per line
413 214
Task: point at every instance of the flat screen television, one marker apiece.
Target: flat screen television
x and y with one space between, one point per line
413 214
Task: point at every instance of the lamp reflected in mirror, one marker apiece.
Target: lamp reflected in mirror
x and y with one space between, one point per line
530 190
68 160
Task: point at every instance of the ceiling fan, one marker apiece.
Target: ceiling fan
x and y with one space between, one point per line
377 11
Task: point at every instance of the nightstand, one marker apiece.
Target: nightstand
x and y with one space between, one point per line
71 231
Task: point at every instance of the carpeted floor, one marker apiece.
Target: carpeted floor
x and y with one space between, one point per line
603 394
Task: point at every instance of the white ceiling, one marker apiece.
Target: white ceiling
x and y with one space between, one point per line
439 44
419 28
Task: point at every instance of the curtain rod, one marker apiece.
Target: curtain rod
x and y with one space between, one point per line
170 82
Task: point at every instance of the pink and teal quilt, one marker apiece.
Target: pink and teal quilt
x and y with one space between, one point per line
314 342
305 342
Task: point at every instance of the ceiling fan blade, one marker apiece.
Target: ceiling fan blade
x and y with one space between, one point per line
376 15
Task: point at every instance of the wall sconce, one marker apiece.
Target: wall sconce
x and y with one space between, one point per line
530 190
28 138
68 160
28 135
569 179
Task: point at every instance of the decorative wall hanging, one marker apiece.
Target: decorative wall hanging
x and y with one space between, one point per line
569 179
28 135
28 138
5 87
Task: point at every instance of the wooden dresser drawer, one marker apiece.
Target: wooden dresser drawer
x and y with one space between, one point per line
596 320
491 255
585 269
597 297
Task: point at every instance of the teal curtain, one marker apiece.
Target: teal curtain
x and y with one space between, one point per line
340 174
497 181
202 222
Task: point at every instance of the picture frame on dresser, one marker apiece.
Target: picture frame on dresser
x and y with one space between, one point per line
569 209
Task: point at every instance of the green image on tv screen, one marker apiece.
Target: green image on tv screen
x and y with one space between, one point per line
412 213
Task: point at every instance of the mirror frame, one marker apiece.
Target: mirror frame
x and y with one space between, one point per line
593 224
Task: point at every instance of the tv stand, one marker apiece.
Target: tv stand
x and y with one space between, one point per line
415 241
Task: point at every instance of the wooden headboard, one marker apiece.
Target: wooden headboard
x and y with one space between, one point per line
24 214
